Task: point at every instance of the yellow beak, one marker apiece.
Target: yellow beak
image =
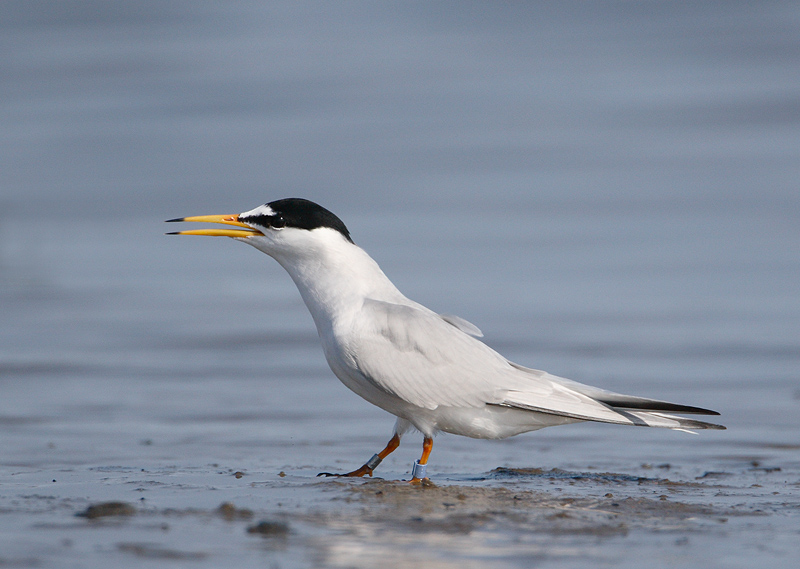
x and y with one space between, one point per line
224 219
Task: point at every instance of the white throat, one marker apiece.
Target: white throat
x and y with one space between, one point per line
334 276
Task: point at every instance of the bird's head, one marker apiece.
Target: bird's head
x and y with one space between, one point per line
283 226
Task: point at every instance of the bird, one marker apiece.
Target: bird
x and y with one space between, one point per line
431 371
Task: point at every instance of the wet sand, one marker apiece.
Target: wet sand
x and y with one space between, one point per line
192 515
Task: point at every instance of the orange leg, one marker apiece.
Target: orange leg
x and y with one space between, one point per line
372 463
427 446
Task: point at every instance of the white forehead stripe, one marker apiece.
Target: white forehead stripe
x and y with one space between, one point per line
260 210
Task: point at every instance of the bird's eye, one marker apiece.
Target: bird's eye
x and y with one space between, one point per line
278 222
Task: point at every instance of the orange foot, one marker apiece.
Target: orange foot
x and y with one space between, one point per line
363 471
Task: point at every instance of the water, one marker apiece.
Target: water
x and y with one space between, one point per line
609 191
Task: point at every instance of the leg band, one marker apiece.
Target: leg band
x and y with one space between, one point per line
419 470
373 462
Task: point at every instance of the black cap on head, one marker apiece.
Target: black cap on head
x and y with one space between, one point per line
296 212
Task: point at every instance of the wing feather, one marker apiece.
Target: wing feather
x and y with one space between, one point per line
633 410
412 353
418 356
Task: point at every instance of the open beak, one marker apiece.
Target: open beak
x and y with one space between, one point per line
224 219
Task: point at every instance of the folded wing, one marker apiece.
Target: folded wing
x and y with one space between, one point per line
429 361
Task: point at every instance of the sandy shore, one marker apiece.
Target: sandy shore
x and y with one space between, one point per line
210 516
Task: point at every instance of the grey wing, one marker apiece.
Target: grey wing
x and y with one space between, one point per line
412 353
415 355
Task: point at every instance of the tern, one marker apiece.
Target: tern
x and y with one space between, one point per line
429 370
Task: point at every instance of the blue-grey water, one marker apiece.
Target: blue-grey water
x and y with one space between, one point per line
609 190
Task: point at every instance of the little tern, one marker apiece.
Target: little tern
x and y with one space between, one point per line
429 370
